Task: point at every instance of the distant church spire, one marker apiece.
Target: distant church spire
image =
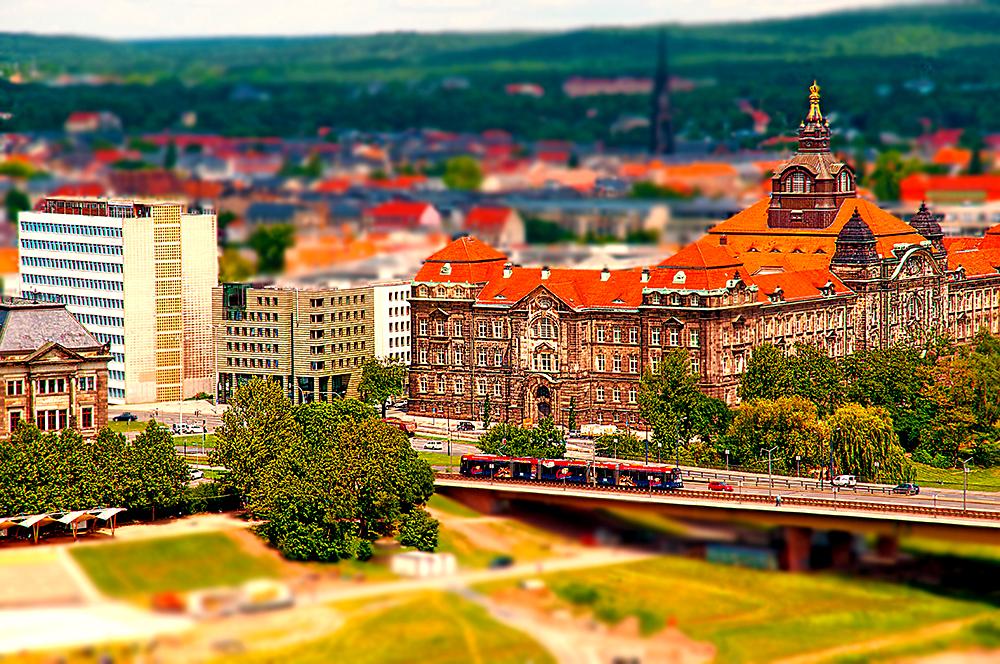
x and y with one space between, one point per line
661 120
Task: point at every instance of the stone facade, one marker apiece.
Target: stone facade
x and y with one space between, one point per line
811 264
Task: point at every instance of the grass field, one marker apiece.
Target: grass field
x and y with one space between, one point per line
435 459
437 628
980 479
979 634
180 563
123 427
752 615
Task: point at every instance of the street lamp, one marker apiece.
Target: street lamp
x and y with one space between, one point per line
965 480
876 472
727 461
770 481
798 458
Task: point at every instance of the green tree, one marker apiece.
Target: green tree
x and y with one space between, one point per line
170 156
234 266
152 472
890 170
543 441
270 243
620 445
226 217
541 231
861 437
669 400
334 489
817 377
16 201
382 378
256 427
17 169
487 412
768 375
463 172
419 529
788 423
571 416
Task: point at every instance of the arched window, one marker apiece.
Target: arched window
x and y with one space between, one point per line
798 183
845 181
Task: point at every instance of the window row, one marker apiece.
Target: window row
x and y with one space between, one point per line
252 332
252 362
72 282
95 319
116 339
262 316
674 337
321 301
615 334
76 247
68 264
251 347
600 363
337 332
632 393
70 229
78 300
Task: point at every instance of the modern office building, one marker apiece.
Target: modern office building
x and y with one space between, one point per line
312 342
52 371
138 276
392 320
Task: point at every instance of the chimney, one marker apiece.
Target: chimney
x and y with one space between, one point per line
507 270
722 240
645 275
545 272
605 274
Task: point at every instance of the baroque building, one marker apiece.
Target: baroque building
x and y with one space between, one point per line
812 263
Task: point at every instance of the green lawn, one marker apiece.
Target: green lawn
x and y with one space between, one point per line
122 427
186 562
752 615
195 441
980 479
435 628
436 459
979 634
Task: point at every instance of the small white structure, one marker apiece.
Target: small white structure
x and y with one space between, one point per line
421 564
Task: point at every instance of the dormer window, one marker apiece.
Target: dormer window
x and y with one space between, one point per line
798 183
675 299
446 268
655 298
845 181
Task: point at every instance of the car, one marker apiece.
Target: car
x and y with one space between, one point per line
719 485
465 426
434 445
125 417
196 474
907 489
501 562
845 480
180 428
197 428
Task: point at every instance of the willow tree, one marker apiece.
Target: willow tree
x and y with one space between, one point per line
863 436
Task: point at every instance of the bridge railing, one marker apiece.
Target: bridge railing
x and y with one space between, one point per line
833 504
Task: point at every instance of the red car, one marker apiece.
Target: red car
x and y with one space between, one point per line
719 485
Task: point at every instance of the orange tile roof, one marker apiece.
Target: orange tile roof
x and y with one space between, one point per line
976 263
953 156
469 262
801 285
577 289
749 228
700 170
490 219
8 260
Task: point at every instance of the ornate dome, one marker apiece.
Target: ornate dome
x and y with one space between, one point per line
927 224
855 242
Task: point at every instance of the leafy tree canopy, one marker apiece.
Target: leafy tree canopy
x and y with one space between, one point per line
544 441
463 172
270 243
381 378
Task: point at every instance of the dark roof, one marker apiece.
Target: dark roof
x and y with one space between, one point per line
268 212
855 242
926 224
26 326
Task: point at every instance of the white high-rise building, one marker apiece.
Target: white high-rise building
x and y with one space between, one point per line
139 277
392 320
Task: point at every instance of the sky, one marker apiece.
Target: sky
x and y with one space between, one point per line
140 19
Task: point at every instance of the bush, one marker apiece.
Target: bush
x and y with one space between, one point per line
920 455
419 529
577 593
943 462
986 453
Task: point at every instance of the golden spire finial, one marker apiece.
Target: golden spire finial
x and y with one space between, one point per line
815 115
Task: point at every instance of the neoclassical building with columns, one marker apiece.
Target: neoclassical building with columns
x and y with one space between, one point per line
812 263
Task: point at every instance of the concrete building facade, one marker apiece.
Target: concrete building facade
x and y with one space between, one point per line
311 342
391 317
138 276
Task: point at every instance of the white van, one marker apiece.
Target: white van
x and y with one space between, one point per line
845 480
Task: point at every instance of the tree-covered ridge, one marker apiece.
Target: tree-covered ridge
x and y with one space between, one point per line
863 60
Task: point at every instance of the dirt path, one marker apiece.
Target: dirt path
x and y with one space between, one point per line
922 634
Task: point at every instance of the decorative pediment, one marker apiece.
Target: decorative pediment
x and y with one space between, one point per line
540 294
545 347
53 352
439 313
673 321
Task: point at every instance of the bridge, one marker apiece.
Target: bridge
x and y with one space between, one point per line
799 506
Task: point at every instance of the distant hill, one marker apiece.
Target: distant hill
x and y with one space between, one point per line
861 58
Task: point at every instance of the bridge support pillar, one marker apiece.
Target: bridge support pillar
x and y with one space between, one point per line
841 553
887 547
798 547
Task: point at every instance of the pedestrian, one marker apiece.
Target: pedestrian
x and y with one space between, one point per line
777 501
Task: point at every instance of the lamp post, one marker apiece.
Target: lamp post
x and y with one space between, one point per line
770 481
798 458
727 461
876 472
965 479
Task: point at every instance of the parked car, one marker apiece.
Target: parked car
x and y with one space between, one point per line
845 480
465 426
906 488
197 428
407 427
719 485
436 445
180 428
196 474
125 417
501 562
